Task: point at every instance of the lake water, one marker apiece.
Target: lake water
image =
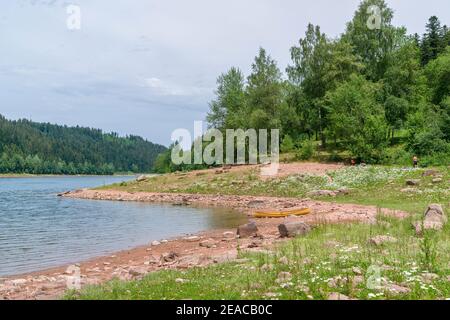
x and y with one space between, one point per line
39 230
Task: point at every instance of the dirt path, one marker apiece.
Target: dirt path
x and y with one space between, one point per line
181 253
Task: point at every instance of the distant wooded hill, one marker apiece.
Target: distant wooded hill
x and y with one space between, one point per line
43 148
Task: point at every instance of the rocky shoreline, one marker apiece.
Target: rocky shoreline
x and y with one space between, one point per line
201 249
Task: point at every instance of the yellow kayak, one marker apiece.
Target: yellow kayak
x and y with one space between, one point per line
281 214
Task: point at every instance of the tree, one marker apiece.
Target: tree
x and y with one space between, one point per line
264 93
357 117
319 65
433 42
227 110
400 83
373 45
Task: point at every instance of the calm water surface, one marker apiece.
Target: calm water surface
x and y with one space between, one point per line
40 230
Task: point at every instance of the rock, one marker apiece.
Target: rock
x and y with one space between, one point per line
293 229
434 219
412 182
283 260
357 280
396 289
255 204
322 193
169 257
437 180
151 260
210 243
137 271
429 277
189 261
179 280
266 267
435 212
430 173
380 240
192 239
156 243
410 190
284 277
338 296
343 191
357 271
229 235
225 257
219 171
247 230
141 178
254 244
272 295
18 282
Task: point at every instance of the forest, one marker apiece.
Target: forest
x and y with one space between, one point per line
43 148
378 95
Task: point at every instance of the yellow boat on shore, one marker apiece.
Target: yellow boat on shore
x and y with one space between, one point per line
281 214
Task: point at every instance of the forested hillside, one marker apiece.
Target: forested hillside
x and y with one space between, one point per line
377 95
43 148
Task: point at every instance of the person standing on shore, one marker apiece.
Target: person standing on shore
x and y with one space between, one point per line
415 161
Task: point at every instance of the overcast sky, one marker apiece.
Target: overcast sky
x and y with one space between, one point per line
148 67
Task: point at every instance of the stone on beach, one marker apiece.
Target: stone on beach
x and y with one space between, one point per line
293 229
247 230
209 243
192 239
229 235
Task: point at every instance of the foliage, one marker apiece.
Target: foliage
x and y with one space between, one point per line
43 148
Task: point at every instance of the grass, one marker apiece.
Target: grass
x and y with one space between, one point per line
332 258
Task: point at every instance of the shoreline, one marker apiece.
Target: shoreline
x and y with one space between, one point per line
30 175
197 250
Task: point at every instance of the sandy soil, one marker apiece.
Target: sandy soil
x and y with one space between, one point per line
185 252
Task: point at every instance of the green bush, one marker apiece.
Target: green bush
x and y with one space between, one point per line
306 151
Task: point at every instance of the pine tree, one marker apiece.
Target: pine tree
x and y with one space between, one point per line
433 40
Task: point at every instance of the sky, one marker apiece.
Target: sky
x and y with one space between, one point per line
148 67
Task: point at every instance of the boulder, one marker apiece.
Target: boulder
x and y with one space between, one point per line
209 243
141 178
247 230
322 193
380 240
437 180
192 239
435 212
395 289
293 229
430 173
137 271
169 257
338 296
255 204
412 182
229 235
434 219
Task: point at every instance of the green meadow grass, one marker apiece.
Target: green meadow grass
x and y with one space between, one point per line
320 263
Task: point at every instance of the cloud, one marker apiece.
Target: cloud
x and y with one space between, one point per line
163 88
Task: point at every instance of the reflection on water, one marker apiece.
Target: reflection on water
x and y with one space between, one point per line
39 230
